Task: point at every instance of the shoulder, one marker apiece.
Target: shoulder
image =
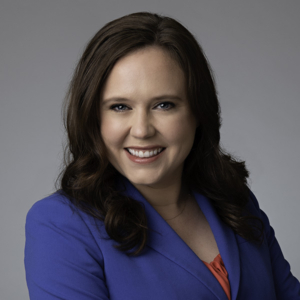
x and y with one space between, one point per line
253 201
65 242
253 205
254 209
55 227
286 285
55 209
55 204
57 215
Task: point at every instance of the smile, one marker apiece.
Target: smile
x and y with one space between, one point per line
145 153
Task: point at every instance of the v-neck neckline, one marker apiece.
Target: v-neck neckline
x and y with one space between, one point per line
164 240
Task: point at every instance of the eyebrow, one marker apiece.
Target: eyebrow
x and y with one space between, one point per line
158 98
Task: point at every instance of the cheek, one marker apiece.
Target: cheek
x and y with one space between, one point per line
112 132
181 130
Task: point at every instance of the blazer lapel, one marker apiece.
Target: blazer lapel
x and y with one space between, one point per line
163 239
226 241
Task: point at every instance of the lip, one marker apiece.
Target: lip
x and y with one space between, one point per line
143 160
145 147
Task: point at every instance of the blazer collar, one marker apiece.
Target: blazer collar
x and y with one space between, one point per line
226 241
163 239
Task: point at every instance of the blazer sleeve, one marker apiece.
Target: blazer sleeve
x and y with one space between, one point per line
62 259
286 285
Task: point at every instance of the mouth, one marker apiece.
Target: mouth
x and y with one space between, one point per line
145 153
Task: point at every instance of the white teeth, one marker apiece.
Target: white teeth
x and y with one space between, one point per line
147 153
131 151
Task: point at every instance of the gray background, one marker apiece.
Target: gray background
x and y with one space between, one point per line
253 47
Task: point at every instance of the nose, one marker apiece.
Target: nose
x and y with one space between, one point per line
141 126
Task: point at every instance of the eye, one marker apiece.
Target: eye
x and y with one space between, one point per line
165 105
119 107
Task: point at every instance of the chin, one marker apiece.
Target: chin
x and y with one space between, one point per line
149 179
137 180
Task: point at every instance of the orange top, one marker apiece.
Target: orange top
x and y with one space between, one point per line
217 268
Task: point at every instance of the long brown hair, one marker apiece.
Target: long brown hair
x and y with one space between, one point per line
88 177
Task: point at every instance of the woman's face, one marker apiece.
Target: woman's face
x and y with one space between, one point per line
146 122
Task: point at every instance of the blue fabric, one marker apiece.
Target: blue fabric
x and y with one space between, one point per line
68 257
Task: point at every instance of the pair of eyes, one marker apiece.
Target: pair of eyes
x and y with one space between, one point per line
161 106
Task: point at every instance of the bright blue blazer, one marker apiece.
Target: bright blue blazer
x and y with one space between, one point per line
68 255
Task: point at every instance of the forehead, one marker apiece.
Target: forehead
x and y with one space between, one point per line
145 71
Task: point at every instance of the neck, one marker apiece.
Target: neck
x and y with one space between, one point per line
168 200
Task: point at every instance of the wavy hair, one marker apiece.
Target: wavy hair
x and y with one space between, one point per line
88 178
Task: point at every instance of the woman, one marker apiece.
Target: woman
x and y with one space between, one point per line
149 206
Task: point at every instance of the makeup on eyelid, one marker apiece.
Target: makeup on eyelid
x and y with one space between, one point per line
117 107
